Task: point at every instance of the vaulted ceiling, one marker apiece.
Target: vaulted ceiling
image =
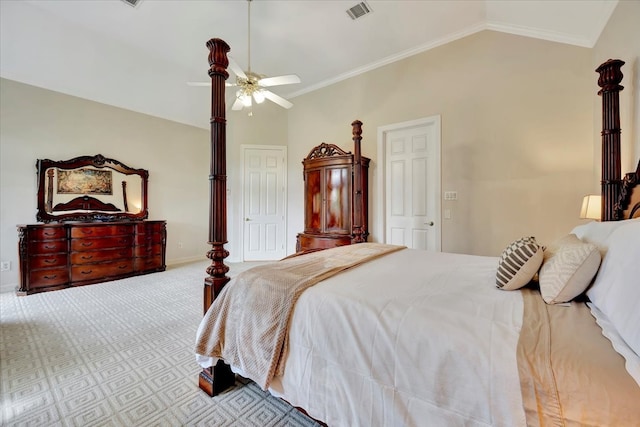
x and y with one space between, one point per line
141 58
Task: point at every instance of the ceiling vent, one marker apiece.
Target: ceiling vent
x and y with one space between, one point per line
132 3
359 10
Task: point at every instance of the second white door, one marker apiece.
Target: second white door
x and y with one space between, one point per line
412 184
264 202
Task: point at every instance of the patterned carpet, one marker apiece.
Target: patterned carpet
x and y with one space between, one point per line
119 354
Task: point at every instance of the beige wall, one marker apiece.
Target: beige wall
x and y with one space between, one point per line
37 123
520 139
517 126
621 40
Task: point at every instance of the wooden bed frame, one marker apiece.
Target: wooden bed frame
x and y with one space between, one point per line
616 192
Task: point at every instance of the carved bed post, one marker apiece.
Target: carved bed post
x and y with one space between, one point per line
358 220
609 81
218 378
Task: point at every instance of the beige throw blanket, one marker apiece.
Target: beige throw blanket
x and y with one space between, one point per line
248 322
569 373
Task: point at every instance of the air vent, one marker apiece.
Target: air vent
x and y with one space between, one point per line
132 3
359 10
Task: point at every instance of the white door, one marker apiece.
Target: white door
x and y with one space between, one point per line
412 184
264 202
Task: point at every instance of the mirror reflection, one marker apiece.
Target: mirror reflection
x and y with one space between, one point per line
90 188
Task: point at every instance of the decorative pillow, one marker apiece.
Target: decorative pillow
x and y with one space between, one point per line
568 268
616 290
520 261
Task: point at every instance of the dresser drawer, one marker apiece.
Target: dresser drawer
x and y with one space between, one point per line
101 243
148 250
150 227
144 239
51 277
48 247
100 271
48 261
101 231
87 257
151 263
47 233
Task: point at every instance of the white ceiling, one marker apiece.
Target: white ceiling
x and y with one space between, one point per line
141 58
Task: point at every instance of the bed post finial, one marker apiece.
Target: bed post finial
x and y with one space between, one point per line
609 81
217 271
358 232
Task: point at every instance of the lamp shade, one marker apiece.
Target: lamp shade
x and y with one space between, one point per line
591 207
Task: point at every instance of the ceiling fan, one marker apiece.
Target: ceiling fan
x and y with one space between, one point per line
252 86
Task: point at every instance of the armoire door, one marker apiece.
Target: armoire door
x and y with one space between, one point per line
337 188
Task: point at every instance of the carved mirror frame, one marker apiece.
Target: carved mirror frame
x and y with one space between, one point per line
85 207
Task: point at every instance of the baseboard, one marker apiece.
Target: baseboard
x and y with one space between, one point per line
8 287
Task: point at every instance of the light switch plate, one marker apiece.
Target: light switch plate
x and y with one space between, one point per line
451 195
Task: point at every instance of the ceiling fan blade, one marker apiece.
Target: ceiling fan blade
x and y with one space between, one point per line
279 80
277 99
237 105
236 68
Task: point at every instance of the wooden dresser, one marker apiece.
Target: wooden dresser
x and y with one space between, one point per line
329 198
60 255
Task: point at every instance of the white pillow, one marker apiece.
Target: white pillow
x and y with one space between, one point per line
616 290
568 268
598 233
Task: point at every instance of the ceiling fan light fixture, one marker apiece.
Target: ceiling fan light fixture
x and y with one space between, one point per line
258 96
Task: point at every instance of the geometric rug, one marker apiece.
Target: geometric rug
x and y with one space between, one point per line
120 353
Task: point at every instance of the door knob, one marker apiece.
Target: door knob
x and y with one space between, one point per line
247 219
430 223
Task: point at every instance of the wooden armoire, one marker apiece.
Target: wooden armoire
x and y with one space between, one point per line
335 196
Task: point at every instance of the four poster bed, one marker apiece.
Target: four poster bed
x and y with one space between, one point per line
384 335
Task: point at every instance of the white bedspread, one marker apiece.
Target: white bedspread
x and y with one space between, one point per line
411 339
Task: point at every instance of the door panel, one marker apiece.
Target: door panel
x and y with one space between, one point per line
264 203
412 213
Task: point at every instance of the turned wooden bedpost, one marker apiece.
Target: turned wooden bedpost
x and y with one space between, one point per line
216 379
358 234
609 81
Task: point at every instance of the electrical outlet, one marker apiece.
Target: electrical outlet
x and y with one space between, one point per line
180 245
5 266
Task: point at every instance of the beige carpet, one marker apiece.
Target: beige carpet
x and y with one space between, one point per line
119 354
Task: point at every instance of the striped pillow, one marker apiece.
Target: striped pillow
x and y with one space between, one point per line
520 261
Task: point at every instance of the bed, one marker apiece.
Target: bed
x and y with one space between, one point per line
439 339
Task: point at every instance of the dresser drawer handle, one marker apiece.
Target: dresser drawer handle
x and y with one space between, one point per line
86 256
124 240
122 267
49 233
86 272
51 277
49 246
86 231
49 261
87 244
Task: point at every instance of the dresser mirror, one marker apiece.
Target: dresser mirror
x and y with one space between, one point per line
90 188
